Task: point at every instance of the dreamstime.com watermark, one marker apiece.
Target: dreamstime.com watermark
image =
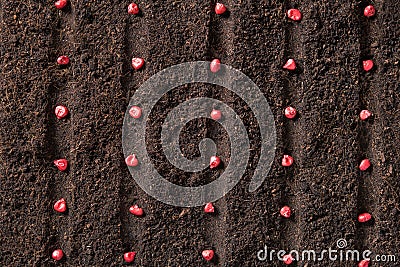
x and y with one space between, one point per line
339 253
153 89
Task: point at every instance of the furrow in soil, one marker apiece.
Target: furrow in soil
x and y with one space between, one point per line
380 189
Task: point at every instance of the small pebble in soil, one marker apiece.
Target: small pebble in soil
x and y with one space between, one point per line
137 63
61 112
287 259
136 210
208 254
60 205
287 161
133 9
220 8
365 114
57 254
364 217
369 11
214 162
216 114
365 164
61 164
63 60
368 65
135 112
132 160
129 256
215 65
290 112
286 212
209 208
60 4
290 64
294 14
363 263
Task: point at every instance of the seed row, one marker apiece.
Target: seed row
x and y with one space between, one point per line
136 112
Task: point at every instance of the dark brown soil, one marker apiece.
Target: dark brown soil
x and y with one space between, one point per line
324 187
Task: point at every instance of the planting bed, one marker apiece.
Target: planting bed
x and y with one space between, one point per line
324 187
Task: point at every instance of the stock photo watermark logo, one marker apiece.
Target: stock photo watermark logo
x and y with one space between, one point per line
338 253
147 96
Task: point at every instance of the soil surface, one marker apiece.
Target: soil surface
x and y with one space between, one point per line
324 187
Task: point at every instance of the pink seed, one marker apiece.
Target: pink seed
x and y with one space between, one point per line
129 256
63 60
57 254
364 165
286 212
135 210
209 208
369 11
290 64
208 254
363 263
364 217
294 14
133 9
216 114
60 205
61 112
287 259
215 65
365 114
131 160
290 112
135 112
214 162
287 161
368 65
61 164
60 4
220 8
137 63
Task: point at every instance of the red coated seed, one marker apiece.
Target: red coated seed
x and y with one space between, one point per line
135 112
61 112
290 64
209 208
220 8
61 164
132 160
369 11
63 60
287 161
60 205
214 162
287 259
137 63
363 263
364 217
60 4
364 165
208 254
57 254
216 114
129 256
135 210
365 114
133 9
286 212
368 65
290 112
294 14
215 65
